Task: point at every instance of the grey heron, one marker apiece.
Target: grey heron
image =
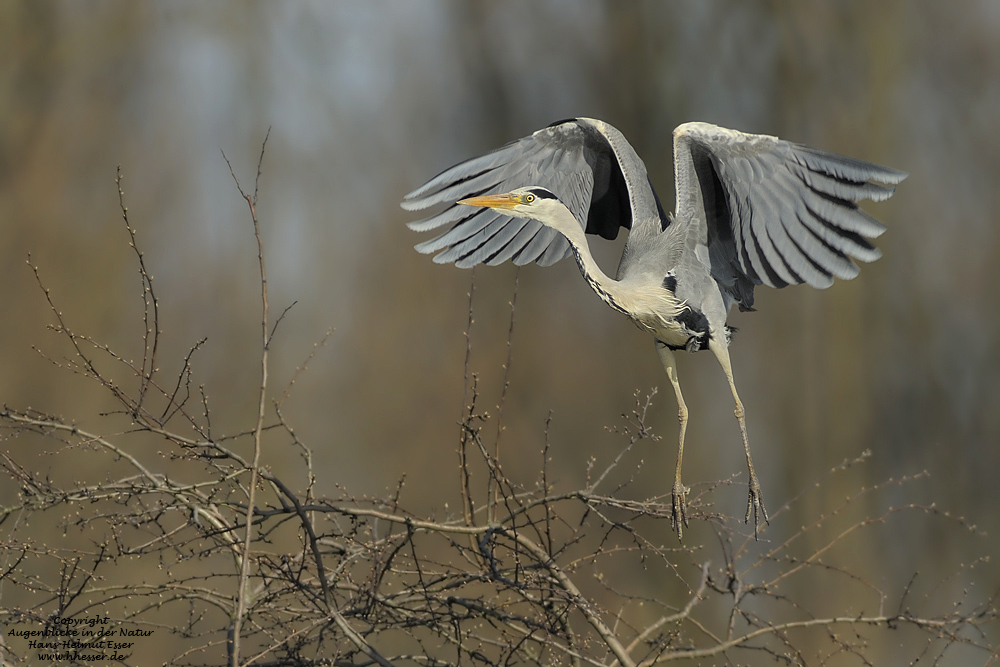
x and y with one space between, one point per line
750 209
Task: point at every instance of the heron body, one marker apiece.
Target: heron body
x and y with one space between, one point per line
750 210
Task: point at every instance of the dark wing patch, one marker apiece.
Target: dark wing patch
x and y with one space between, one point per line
571 158
779 213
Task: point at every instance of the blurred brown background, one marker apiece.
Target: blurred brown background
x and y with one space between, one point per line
367 100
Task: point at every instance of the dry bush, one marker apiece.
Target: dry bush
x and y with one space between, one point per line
241 566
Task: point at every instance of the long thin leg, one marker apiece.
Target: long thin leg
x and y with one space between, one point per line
755 502
678 517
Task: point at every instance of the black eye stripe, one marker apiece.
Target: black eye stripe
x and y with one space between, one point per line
541 193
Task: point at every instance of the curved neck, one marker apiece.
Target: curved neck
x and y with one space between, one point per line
605 286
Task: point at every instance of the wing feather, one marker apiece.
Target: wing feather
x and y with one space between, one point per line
787 214
538 246
457 252
571 158
517 244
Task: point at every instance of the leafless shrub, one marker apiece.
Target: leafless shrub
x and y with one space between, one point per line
528 573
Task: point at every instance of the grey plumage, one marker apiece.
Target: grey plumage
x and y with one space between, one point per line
750 210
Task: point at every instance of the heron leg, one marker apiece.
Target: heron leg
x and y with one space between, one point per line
755 501
678 517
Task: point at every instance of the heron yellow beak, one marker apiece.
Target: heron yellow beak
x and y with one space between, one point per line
493 201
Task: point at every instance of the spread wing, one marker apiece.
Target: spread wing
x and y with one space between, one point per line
571 158
777 213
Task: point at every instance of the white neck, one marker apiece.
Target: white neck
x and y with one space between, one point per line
648 304
562 220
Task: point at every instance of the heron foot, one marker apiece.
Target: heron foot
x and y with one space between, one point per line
755 504
678 516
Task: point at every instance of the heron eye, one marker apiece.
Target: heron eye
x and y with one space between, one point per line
529 198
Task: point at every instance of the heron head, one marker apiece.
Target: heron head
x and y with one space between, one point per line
533 202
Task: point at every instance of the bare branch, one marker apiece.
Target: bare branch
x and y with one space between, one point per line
238 562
